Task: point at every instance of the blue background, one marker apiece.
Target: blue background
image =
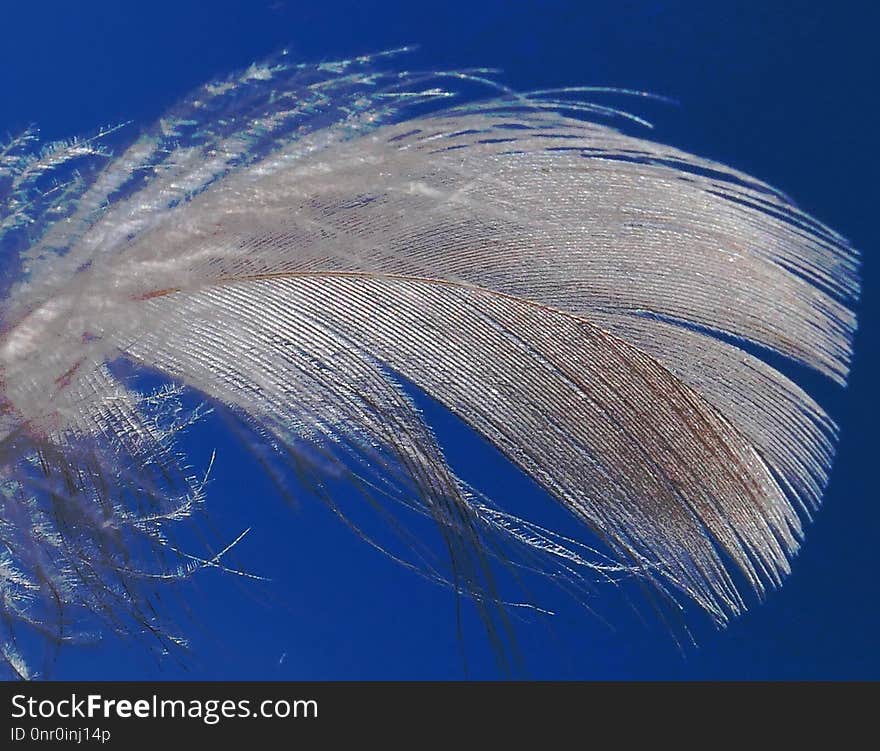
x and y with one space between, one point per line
786 91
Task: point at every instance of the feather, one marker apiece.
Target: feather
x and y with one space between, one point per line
305 244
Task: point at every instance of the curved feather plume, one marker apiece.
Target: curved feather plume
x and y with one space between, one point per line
300 242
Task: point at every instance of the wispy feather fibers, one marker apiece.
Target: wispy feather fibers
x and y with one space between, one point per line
298 242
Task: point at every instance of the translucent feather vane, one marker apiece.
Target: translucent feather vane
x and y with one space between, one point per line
305 245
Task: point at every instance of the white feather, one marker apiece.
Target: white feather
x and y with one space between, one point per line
297 243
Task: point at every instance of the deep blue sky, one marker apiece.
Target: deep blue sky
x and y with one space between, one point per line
786 93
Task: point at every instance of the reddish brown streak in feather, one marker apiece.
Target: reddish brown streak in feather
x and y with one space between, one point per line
155 293
64 379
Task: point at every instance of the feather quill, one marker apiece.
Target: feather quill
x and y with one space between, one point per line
299 243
